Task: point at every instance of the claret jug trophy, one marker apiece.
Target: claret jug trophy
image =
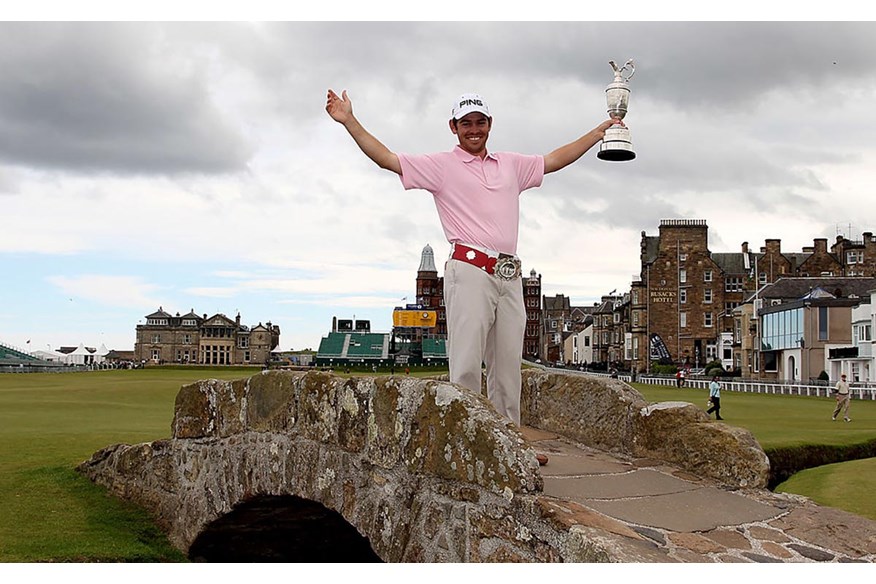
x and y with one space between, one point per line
617 146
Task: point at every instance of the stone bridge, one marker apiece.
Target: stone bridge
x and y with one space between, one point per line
296 466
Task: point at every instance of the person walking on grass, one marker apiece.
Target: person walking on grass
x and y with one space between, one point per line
843 398
715 398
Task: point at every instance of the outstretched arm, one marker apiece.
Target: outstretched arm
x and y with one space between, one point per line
566 155
341 111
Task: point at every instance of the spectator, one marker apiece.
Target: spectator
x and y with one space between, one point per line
842 398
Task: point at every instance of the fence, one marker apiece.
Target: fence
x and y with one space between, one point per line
741 385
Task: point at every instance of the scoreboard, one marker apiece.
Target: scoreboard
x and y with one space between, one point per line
403 317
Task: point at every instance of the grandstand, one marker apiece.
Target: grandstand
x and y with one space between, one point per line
353 347
9 353
12 357
434 348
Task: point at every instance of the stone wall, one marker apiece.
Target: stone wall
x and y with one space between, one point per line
610 415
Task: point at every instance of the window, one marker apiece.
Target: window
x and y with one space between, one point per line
635 296
635 319
682 257
707 276
682 296
682 319
822 323
782 330
156 338
762 278
587 341
711 351
855 257
187 339
729 307
707 295
707 319
733 284
682 276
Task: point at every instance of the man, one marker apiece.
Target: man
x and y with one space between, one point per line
476 193
842 399
715 398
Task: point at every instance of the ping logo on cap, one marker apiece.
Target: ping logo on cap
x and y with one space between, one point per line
468 103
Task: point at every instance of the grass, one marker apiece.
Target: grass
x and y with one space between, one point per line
49 423
785 422
780 421
846 485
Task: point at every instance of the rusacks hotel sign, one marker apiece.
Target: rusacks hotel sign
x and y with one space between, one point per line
663 295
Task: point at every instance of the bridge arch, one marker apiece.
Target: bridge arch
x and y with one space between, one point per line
281 529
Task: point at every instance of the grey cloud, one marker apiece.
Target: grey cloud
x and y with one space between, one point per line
109 97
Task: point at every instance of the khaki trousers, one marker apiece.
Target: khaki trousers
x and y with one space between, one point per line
485 324
842 404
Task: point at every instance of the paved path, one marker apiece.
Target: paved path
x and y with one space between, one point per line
669 515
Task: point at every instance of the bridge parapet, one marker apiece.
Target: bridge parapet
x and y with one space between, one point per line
610 415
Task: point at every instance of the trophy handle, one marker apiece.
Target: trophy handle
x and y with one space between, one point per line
619 72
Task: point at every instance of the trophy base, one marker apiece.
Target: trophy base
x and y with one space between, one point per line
616 155
616 146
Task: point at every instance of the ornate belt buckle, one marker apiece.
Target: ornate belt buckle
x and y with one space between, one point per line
507 268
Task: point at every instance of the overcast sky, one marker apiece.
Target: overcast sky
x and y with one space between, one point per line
192 165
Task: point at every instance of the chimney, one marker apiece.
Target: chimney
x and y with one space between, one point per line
744 247
820 245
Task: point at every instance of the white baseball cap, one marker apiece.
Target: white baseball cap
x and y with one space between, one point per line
467 103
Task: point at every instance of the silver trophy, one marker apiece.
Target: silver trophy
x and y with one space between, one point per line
617 146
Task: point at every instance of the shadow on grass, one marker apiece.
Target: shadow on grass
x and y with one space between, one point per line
784 462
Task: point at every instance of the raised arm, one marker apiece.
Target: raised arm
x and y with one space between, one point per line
566 155
341 110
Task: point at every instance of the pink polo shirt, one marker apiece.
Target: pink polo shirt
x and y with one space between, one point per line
478 200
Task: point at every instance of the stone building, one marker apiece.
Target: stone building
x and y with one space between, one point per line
430 290
682 303
858 257
203 340
430 295
683 293
556 320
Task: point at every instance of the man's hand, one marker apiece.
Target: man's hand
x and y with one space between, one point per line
339 108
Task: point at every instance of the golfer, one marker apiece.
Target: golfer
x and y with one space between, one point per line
476 193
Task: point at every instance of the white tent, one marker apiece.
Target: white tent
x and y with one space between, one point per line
101 353
81 356
54 356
